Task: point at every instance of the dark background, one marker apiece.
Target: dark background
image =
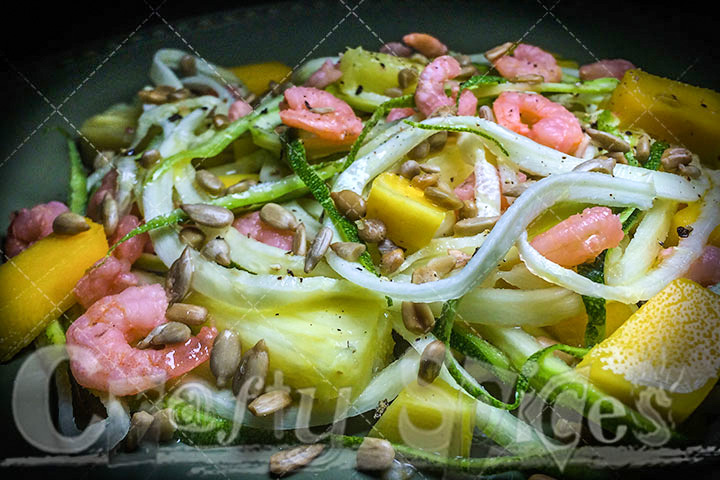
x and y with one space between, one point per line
35 30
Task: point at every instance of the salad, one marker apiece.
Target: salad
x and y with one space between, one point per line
470 263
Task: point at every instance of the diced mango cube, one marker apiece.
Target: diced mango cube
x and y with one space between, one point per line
669 346
256 76
685 217
36 285
410 218
435 418
672 111
572 330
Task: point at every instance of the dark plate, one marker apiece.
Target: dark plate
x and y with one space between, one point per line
65 88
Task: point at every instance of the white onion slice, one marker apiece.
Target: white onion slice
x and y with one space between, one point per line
641 252
506 307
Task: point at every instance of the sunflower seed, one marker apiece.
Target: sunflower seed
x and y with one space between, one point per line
431 362
417 317
393 92
179 94
209 182
253 368
225 356
270 402
391 261
278 216
150 157
475 225
299 246
166 334
372 230
375 454
241 186
406 77
318 248
349 251
218 250
349 204
642 149
139 425
163 426
420 151
155 97
386 246
409 169
486 113
220 121
188 68
494 53
689 171
187 313
608 141
442 196
208 215
427 168
192 237
425 180
288 461
179 277
69 223
672 158
598 164
110 214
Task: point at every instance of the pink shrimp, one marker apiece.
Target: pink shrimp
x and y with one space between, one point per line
467 105
581 237
466 190
107 277
615 68
108 185
706 269
430 92
251 225
27 226
239 109
340 124
129 250
426 44
101 354
539 119
325 75
398 113
529 60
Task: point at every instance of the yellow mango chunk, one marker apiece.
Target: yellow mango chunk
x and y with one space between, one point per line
668 347
687 216
256 76
672 111
36 285
435 418
233 178
572 330
326 344
410 218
